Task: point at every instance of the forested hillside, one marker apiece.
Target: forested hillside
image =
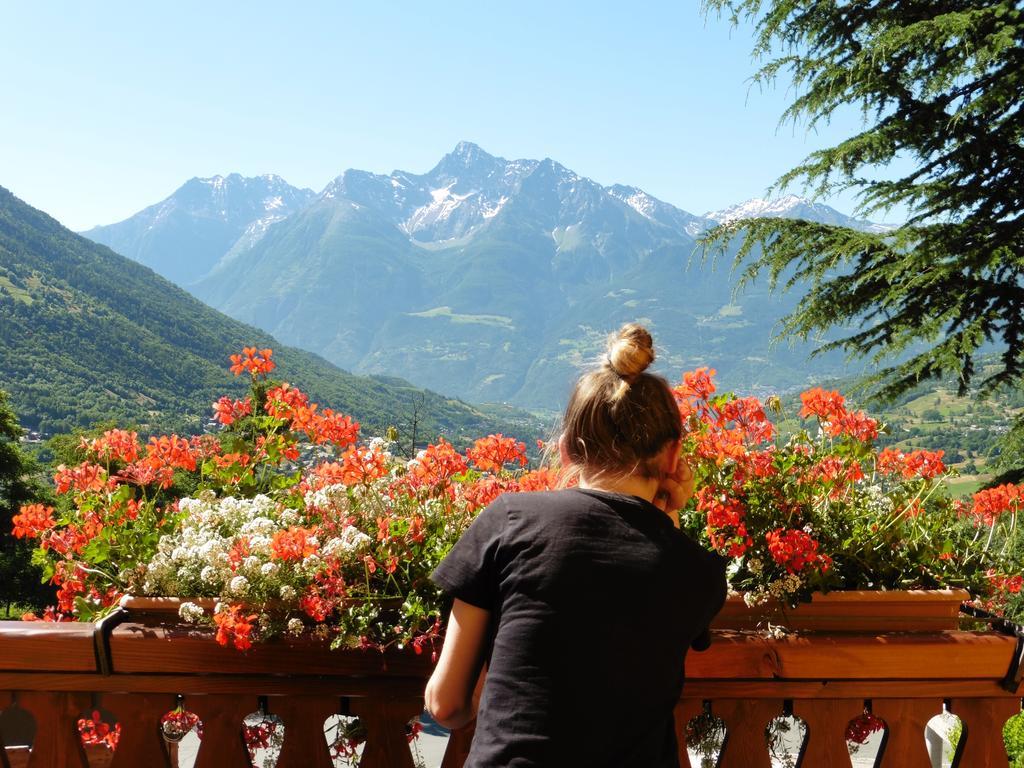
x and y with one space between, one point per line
87 335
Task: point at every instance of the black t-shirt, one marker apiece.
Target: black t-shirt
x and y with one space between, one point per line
595 598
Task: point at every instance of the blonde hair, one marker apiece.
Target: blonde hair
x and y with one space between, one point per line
619 417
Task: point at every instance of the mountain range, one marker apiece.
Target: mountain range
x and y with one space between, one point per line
203 223
491 279
87 335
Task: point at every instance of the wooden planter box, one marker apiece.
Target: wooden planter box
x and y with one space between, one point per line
916 610
852 611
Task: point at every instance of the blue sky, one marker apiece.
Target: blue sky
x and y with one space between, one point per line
108 107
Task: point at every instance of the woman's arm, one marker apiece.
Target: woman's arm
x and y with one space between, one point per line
454 689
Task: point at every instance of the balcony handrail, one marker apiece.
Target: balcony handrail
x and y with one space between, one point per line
54 669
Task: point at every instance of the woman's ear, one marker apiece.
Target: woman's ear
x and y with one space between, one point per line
672 458
563 452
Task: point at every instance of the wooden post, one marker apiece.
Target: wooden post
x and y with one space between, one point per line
983 721
222 716
905 721
385 721
459 743
745 723
826 721
56 742
304 743
139 716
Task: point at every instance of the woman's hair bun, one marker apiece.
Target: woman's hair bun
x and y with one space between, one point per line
630 351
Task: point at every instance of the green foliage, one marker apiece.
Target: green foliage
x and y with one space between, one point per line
1013 738
87 336
14 611
20 581
939 84
1008 464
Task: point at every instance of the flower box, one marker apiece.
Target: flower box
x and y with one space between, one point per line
804 514
914 610
164 609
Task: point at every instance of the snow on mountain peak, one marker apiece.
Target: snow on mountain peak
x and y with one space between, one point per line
217 182
444 203
656 210
466 189
636 199
759 206
469 187
439 195
792 207
490 209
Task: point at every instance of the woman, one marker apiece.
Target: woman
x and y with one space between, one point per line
582 602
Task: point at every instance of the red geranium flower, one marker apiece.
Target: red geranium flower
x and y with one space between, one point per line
114 445
234 627
492 453
826 405
32 521
254 361
227 411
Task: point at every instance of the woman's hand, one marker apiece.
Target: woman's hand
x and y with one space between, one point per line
675 490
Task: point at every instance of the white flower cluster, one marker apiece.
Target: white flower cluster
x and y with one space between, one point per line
190 612
753 598
196 559
782 588
331 497
779 589
351 539
382 446
201 557
876 500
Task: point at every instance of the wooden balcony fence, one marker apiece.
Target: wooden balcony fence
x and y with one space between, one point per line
136 672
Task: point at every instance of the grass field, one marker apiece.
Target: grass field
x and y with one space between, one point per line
967 484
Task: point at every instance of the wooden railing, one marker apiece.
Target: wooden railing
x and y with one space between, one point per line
138 673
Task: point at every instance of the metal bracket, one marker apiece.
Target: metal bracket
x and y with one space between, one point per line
1014 679
101 639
